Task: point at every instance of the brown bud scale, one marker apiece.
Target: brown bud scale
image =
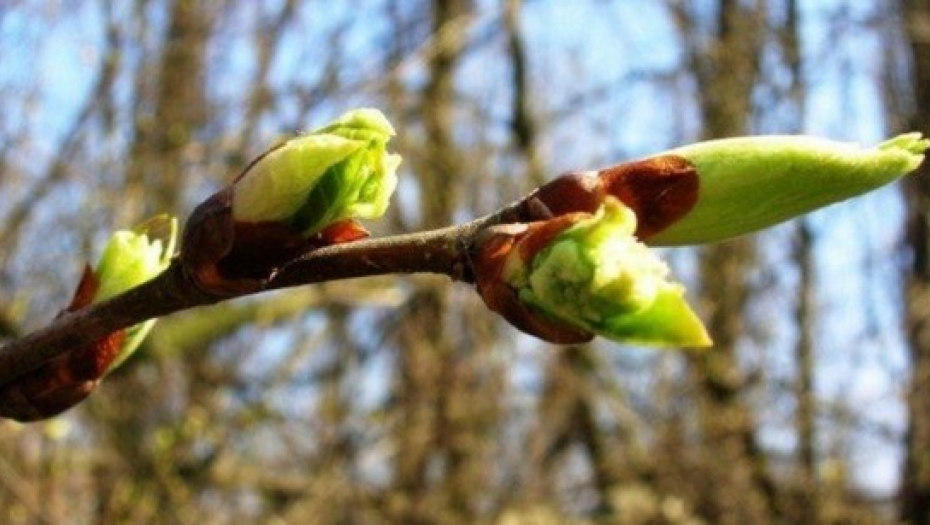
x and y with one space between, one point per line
660 190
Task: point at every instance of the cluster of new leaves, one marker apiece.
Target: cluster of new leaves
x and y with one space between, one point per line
569 261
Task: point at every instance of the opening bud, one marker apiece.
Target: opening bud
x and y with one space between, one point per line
340 171
587 273
129 259
300 195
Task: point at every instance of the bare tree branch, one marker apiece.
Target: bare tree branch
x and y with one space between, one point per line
442 251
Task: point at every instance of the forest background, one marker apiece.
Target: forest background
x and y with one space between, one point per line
404 399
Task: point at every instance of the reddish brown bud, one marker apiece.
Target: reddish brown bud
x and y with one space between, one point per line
208 238
568 193
86 289
346 230
660 190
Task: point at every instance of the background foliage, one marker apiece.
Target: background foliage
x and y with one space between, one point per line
404 400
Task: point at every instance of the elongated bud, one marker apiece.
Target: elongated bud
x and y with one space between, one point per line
300 195
129 259
750 183
712 191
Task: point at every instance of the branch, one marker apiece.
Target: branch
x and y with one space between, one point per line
602 279
444 251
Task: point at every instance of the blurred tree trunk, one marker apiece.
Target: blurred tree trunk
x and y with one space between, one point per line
523 128
807 505
915 485
566 411
726 71
164 136
148 478
567 417
436 477
805 414
267 41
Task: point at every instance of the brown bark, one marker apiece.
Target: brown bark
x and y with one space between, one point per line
915 485
805 417
566 414
726 72
434 427
163 138
808 503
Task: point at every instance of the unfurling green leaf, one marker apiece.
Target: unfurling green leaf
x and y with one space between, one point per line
130 258
340 171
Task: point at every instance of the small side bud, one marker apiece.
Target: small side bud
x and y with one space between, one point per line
129 259
598 277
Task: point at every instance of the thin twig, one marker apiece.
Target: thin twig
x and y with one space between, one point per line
444 251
